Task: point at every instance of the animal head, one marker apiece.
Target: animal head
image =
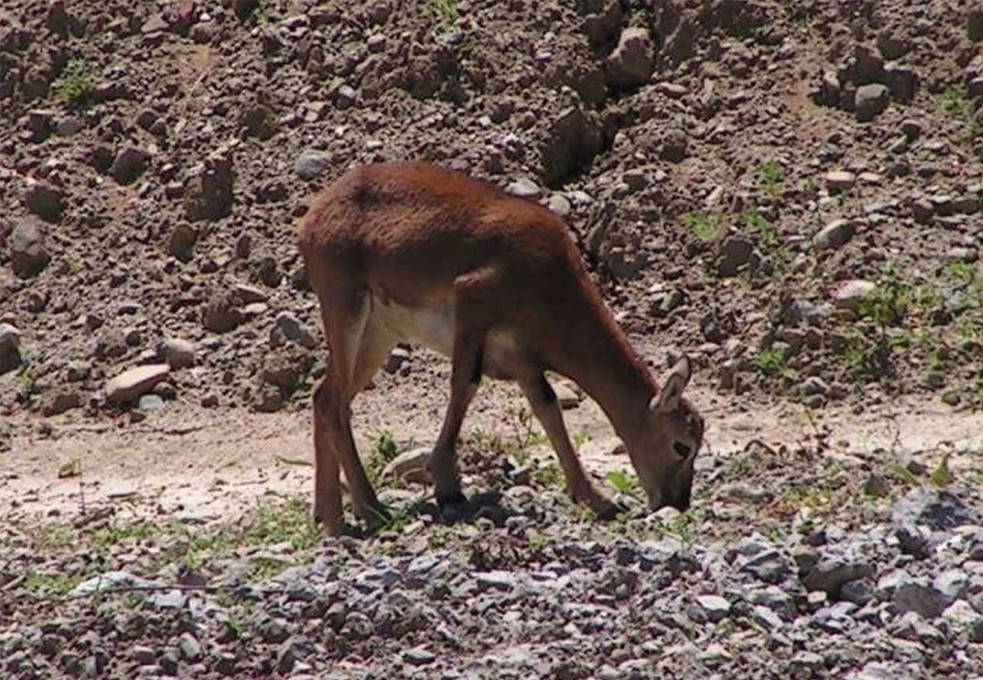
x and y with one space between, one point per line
665 448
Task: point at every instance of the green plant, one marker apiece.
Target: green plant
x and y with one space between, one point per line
704 228
941 476
76 84
759 224
549 475
579 439
385 446
524 427
446 11
49 585
622 482
683 527
538 541
28 378
953 103
770 178
771 362
868 355
740 466
888 304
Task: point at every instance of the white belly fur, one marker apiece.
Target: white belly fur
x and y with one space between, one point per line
433 327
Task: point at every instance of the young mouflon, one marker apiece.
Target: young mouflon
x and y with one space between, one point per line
411 252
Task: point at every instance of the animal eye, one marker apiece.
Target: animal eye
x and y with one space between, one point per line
681 449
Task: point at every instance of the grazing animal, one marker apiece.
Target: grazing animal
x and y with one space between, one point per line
411 252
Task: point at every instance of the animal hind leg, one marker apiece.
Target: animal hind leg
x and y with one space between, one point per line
345 313
374 348
474 311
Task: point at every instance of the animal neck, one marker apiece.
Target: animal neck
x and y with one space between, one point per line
599 358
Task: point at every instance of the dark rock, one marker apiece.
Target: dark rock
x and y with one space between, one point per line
736 254
920 597
182 241
923 518
902 81
573 142
288 328
57 402
208 194
830 574
769 566
9 347
129 164
632 62
974 24
45 201
222 313
870 101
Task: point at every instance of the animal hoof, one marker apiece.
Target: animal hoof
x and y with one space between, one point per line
378 517
455 499
610 511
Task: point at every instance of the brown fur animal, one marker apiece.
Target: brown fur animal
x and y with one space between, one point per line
413 252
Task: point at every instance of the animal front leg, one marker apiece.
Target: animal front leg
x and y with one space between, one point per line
546 408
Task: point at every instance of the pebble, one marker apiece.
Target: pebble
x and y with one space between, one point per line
288 328
840 180
524 188
311 164
178 353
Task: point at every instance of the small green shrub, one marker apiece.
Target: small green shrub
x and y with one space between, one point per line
75 85
704 228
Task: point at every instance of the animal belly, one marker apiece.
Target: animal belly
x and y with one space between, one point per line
431 326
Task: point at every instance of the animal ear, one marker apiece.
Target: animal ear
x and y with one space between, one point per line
675 382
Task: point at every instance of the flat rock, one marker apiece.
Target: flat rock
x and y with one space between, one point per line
110 580
523 187
852 293
410 466
834 235
134 383
715 607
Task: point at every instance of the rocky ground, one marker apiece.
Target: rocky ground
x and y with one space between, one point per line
790 192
